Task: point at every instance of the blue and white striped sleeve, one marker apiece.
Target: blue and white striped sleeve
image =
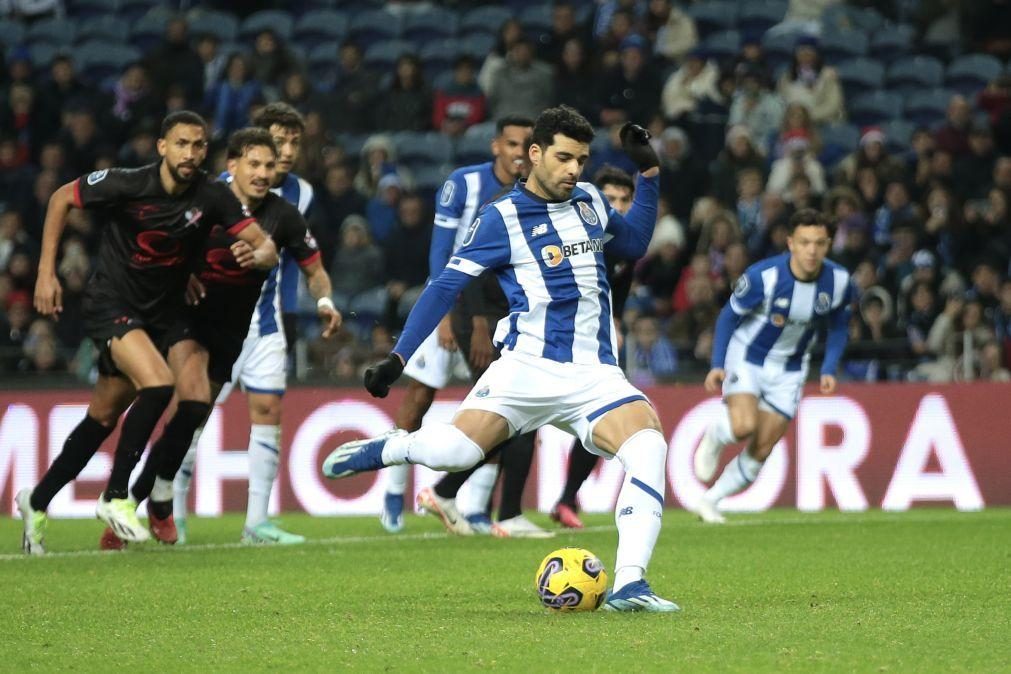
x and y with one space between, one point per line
748 292
485 246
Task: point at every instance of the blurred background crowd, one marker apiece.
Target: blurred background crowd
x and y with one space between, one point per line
893 116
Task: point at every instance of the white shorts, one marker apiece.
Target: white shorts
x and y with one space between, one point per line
530 392
777 389
262 367
433 365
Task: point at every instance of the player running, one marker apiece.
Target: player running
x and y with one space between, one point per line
158 217
618 188
261 369
466 190
546 240
761 350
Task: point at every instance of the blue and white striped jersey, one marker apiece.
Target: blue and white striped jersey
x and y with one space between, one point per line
465 191
549 259
780 316
281 287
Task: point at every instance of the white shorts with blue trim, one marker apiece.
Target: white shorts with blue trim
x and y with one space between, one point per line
262 367
531 392
777 389
433 365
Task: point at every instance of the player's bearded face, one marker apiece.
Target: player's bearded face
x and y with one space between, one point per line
557 168
808 246
254 172
288 143
509 150
184 149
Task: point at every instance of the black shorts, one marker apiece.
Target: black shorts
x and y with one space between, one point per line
107 322
222 333
463 329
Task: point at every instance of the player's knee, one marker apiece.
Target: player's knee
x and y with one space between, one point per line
106 414
743 425
760 451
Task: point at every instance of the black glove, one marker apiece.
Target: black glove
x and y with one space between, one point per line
378 377
635 143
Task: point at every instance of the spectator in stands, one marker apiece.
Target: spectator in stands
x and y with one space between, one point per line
357 271
349 107
297 92
176 62
333 204
653 358
897 208
18 118
233 97
973 170
694 80
56 93
564 27
995 99
749 208
986 229
718 235
922 312
671 30
698 274
141 148
378 158
407 104
271 61
461 97
897 263
658 272
696 296
739 154
959 325
576 83
133 100
1002 319
796 118
80 140
509 34
622 25
991 363
19 316
752 56
953 135
212 61
522 86
870 154
682 178
406 253
74 271
799 159
813 84
754 106
985 287
875 339
631 90
381 209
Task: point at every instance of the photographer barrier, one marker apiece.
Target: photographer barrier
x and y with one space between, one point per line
889 446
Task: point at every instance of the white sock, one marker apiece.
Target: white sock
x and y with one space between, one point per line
184 476
720 430
736 476
264 456
396 479
479 488
639 510
162 491
438 446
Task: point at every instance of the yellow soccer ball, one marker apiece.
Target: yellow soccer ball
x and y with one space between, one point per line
571 579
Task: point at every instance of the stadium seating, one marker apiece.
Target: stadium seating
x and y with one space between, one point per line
382 55
927 107
860 75
875 107
484 20
891 43
759 16
434 24
723 45
57 32
914 72
428 179
223 26
11 33
131 10
373 26
149 30
416 149
838 140
836 47
713 17
42 53
472 150
485 131
840 17
536 19
898 134
478 46
106 27
98 61
319 26
972 72
778 48
320 64
278 21
86 9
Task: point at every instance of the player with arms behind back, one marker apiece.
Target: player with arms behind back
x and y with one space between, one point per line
761 350
546 240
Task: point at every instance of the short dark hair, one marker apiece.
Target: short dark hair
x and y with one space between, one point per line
251 136
564 120
279 113
612 175
174 119
811 217
512 120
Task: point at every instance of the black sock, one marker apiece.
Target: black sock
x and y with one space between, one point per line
160 509
168 452
581 464
80 446
517 456
449 486
137 428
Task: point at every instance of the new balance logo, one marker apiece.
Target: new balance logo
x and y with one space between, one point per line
625 511
539 229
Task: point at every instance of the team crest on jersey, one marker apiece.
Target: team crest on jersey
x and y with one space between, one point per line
822 303
471 231
97 176
482 392
448 190
779 320
193 216
588 214
742 286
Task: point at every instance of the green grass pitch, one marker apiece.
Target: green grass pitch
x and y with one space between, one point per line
923 591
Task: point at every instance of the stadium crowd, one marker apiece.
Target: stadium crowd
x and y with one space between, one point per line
753 115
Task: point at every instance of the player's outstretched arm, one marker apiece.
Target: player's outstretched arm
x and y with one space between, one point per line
48 292
630 234
260 251
318 283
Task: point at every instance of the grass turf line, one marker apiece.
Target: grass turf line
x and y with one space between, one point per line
781 591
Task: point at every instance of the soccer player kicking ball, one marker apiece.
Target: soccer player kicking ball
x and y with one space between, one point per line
761 351
157 218
546 241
